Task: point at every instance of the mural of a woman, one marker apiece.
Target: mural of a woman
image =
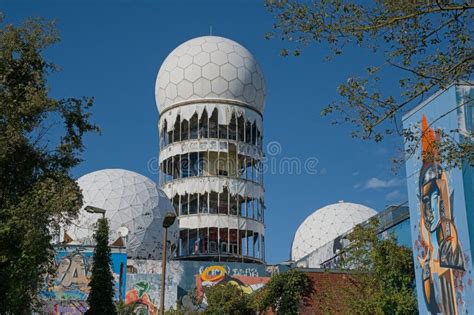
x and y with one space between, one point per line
442 252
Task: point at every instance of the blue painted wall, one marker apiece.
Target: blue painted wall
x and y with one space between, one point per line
402 233
441 209
73 265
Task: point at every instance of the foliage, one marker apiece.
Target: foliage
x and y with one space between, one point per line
384 282
257 300
126 309
426 44
37 192
101 295
284 291
227 298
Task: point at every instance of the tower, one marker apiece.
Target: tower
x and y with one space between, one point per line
210 93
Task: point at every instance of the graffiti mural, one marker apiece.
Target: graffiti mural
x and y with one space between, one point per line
247 280
143 285
186 282
139 296
439 212
441 254
69 287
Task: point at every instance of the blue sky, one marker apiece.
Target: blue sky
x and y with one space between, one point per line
112 50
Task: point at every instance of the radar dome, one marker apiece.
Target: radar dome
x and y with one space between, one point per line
210 68
135 208
326 224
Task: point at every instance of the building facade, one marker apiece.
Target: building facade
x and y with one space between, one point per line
210 93
441 203
393 221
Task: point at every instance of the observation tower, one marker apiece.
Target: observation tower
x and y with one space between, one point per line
210 93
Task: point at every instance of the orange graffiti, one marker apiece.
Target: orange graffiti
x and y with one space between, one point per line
213 273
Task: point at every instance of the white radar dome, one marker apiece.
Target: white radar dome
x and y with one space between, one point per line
326 224
210 68
135 208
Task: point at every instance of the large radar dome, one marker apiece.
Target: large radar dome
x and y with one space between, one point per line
210 68
326 224
135 208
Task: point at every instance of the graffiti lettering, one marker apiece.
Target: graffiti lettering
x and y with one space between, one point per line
72 271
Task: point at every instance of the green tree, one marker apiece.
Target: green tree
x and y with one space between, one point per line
383 273
101 295
427 45
284 292
227 298
40 142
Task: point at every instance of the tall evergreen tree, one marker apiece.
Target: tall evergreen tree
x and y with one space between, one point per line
101 296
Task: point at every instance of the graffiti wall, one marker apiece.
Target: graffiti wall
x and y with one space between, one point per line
222 274
67 291
144 285
441 205
186 282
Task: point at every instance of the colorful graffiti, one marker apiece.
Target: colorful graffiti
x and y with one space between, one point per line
64 307
144 285
442 253
71 281
186 282
138 296
217 274
439 209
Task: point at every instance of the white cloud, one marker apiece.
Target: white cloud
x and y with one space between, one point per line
395 195
375 182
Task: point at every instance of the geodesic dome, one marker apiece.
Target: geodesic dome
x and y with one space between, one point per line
210 67
325 225
131 200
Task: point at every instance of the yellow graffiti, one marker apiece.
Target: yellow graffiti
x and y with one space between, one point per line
245 288
213 273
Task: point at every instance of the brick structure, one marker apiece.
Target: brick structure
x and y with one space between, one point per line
330 292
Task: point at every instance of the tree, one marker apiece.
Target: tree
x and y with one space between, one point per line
227 298
284 292
426 44
40 142
383 273
101 295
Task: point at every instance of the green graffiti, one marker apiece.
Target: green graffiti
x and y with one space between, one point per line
142 287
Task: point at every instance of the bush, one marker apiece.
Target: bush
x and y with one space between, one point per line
229 299
284 291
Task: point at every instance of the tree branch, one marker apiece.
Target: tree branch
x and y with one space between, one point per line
411 16
424 90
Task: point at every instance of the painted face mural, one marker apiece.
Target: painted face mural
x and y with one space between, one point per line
441 257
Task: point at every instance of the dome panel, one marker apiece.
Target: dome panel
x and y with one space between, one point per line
192 73
210 71
228 72
217 59
131 200
202 58
326 224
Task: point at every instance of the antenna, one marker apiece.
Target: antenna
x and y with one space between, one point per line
123 231
210 30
